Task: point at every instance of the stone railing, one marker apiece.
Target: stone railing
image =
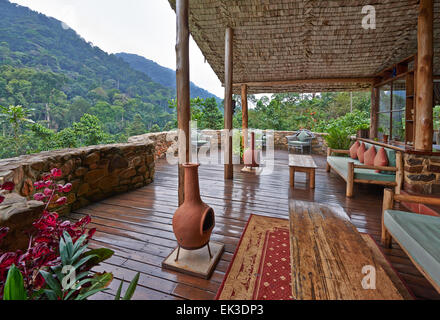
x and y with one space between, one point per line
95 172
162 143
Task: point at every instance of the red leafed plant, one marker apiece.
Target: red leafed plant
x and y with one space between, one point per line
43 249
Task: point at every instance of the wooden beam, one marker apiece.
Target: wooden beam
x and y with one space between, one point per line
183 91
244 115
425 90
369 80
374 110
229 37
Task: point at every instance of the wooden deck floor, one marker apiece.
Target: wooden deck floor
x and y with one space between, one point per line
137 225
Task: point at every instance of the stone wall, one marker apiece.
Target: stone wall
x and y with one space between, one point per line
162 142
422 174
319 145
96 172
165 140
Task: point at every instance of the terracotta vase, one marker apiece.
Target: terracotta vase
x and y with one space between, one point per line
251 157
194 220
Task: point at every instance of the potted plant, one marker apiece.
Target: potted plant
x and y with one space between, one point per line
384 134
363 130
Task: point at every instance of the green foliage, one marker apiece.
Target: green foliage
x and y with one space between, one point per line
205 111
130 290
137 127
339 130
292 111
437 118
84 283
162 75
60 77
155 128
14 286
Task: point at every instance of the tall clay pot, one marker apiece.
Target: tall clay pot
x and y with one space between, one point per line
251 157
194 220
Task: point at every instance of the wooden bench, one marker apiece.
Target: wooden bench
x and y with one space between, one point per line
328 255
353 171
302 163
417 234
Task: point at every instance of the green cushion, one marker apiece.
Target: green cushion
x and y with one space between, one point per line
299 143
303 136
420 236
341 165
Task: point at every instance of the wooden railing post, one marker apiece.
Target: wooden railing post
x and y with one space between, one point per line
229 34
350 179
399 172
329 153
182 88
374 110
425 91
244 115
388 204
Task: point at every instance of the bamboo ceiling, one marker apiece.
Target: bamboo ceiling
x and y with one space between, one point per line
277 40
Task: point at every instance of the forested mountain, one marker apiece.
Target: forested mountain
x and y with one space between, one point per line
163 75
51 69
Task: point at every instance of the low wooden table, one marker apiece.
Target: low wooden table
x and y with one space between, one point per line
302 163
328 257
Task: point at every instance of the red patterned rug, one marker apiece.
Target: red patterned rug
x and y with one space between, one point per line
261 266
260 269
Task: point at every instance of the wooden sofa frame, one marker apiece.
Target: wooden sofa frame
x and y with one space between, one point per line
389 198
350 172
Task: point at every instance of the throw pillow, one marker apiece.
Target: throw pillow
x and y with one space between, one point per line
381 159
361 152
369 156
302 136
353 150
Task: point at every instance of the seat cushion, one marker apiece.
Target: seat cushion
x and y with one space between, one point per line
420 235
299 143
340 164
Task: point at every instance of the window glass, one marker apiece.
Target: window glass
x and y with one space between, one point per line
385 98
399 94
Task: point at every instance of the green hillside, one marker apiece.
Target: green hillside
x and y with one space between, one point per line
60 76
162 75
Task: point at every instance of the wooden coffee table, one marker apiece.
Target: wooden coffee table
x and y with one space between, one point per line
302 163
328 257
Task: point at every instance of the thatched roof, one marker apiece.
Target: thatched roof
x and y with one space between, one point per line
306 39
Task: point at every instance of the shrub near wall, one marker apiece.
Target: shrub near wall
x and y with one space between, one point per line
96 172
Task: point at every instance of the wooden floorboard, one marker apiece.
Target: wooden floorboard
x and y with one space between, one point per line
137 224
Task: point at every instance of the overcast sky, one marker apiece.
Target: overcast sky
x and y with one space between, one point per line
143 27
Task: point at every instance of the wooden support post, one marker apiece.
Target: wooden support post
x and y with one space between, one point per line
399 172
182 88
350 180
229 34
329 153
425 91
388 204
244 115
374 110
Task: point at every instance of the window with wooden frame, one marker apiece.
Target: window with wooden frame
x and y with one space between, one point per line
391 113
